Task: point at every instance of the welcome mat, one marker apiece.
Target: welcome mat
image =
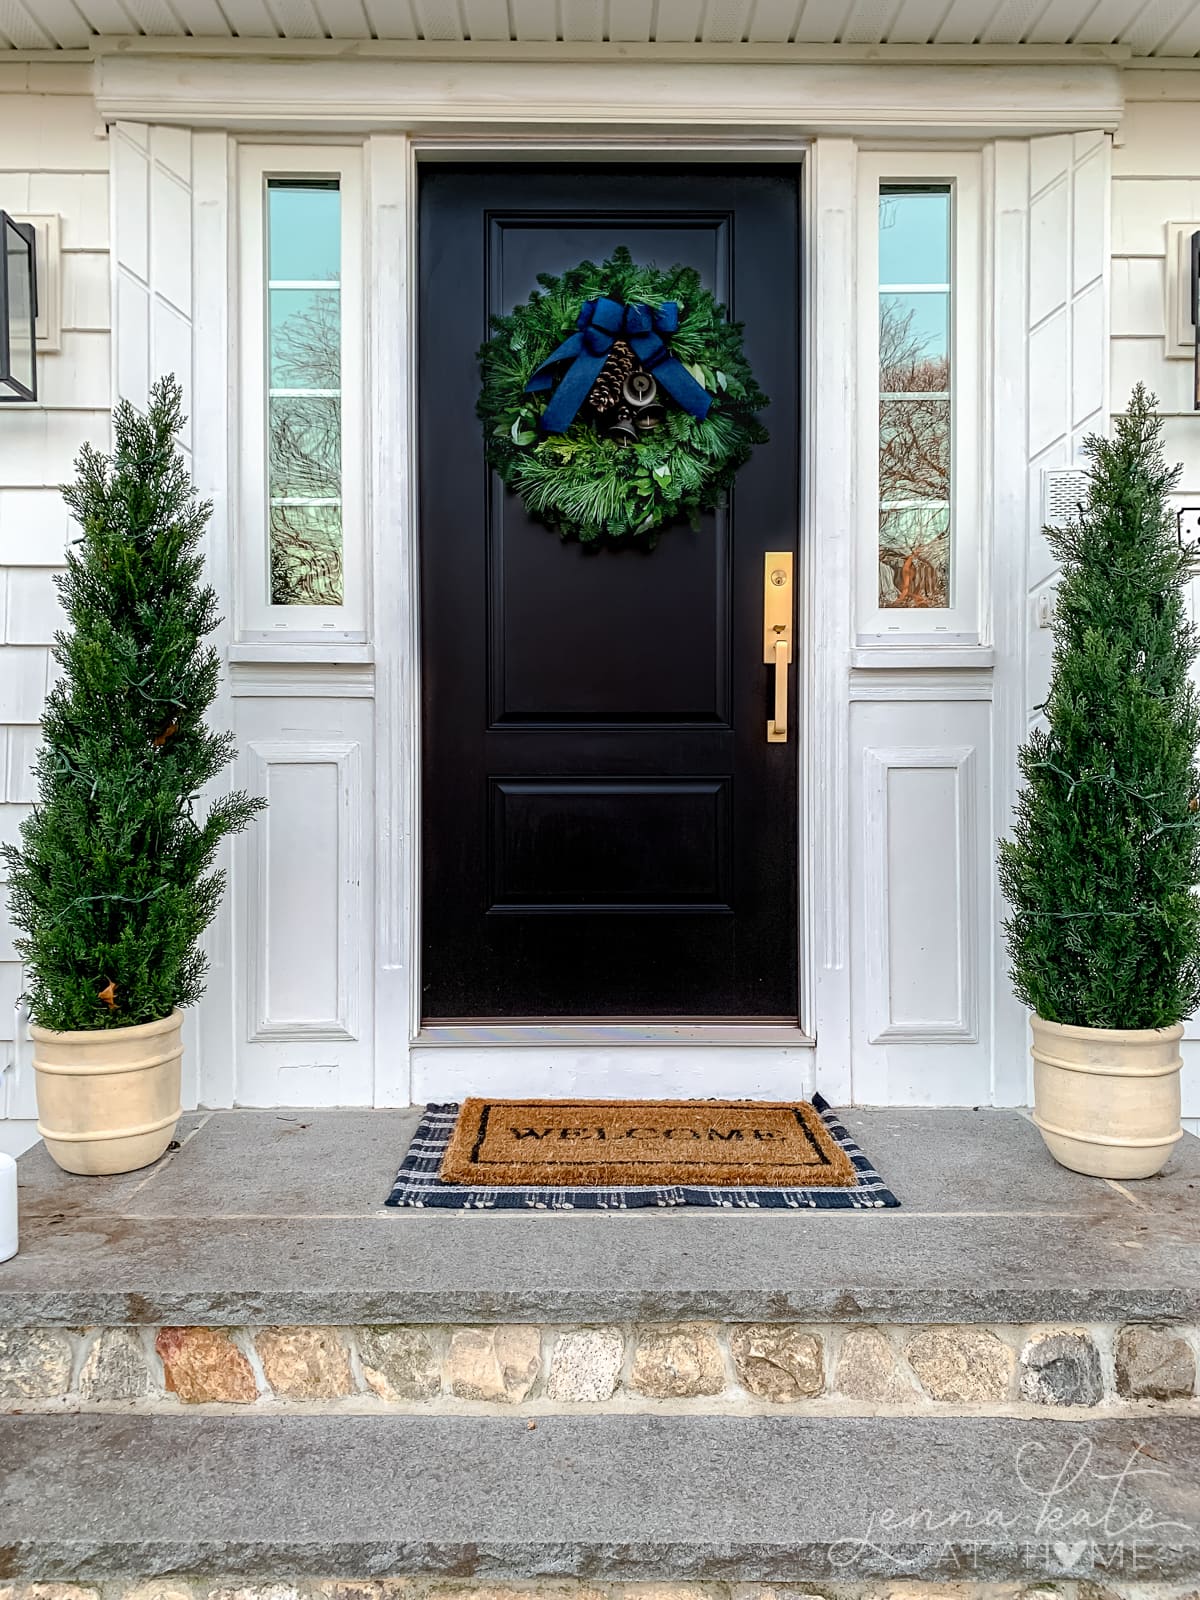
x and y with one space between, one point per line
590 1142
804 1185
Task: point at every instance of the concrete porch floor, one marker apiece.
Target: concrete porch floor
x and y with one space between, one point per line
277 1217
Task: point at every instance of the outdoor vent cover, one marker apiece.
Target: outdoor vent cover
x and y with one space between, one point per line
1062 490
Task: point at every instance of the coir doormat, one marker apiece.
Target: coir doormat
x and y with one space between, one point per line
589 1142
575 1155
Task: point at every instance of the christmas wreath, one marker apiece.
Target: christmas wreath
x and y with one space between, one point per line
618 399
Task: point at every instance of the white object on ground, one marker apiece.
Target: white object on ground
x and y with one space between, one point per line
8 1207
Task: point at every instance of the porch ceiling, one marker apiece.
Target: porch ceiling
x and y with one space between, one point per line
1147 28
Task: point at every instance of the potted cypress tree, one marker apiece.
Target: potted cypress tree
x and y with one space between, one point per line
1101 871
113 882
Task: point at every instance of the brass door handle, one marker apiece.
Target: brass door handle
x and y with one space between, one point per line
777 729
777 634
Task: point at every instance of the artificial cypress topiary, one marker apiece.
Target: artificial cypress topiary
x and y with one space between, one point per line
114 883
1101 871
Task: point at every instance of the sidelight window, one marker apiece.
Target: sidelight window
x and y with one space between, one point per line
920 257
304 392
914 396
302 430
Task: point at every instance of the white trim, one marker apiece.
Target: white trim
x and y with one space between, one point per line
561 51
1005 490
256 618
345 755
390 164
878 763
569 1071
399 94
213 378
552 1035
828 353
959 622
567 1059
838 678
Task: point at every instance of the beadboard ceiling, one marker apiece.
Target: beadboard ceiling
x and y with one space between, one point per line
1159 28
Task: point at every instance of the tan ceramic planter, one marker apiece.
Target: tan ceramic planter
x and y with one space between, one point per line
108 1098
1107 1099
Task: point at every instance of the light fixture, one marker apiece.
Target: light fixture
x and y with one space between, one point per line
1196 317
18 310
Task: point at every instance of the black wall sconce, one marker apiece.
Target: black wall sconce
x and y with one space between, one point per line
1196 317
18 309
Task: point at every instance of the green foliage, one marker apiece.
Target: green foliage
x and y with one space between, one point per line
583 483
1101 871
114 880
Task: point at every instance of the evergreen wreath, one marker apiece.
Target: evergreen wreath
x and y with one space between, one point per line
618 399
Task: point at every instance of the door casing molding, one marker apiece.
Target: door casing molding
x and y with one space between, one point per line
581 1058
409 1063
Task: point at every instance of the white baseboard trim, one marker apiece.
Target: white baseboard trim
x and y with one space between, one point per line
635 1072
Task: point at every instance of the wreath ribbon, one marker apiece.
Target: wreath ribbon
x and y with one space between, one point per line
600 323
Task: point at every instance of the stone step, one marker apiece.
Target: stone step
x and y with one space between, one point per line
95 1497
277 1218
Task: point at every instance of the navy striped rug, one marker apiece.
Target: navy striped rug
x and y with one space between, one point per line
417 1183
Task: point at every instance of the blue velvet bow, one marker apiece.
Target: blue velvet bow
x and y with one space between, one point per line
600 323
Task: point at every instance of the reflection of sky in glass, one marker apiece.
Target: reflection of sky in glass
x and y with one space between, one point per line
304 431
915 519
929 324
914 236
304 230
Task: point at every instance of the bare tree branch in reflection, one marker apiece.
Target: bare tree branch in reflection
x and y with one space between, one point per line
305 446
914 465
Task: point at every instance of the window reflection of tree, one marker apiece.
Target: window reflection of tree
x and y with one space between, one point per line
914 465
305 456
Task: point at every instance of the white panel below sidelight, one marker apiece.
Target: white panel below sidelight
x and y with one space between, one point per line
920 923
300 885
921 898
304 872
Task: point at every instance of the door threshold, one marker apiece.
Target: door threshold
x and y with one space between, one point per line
769 1035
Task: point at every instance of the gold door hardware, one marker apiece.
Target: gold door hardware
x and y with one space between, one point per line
777 634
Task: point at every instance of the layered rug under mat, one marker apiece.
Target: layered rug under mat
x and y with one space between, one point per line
618 1155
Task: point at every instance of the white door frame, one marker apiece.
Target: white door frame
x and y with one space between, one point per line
401 110
768 1061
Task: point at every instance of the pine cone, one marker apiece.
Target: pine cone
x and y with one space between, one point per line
605 393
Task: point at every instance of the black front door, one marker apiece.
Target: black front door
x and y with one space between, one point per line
607 832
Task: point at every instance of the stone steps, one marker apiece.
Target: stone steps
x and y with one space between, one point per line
237 1369
762 1499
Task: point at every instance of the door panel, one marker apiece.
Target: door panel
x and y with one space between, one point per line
607 831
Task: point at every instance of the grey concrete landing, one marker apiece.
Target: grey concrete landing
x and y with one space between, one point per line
613 1497
277 1217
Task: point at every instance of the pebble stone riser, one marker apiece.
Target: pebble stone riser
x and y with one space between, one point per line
706 1366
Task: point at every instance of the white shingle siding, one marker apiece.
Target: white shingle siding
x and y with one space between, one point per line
54 157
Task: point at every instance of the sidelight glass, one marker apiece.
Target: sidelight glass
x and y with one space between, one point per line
304 394
915 396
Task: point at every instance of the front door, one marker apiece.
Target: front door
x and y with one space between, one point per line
608 833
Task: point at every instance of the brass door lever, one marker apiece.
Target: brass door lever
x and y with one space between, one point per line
777 635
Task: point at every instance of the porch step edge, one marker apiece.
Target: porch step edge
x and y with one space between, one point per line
759 1499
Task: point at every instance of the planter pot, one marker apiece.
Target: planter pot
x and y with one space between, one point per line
1107 1099
108 1098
